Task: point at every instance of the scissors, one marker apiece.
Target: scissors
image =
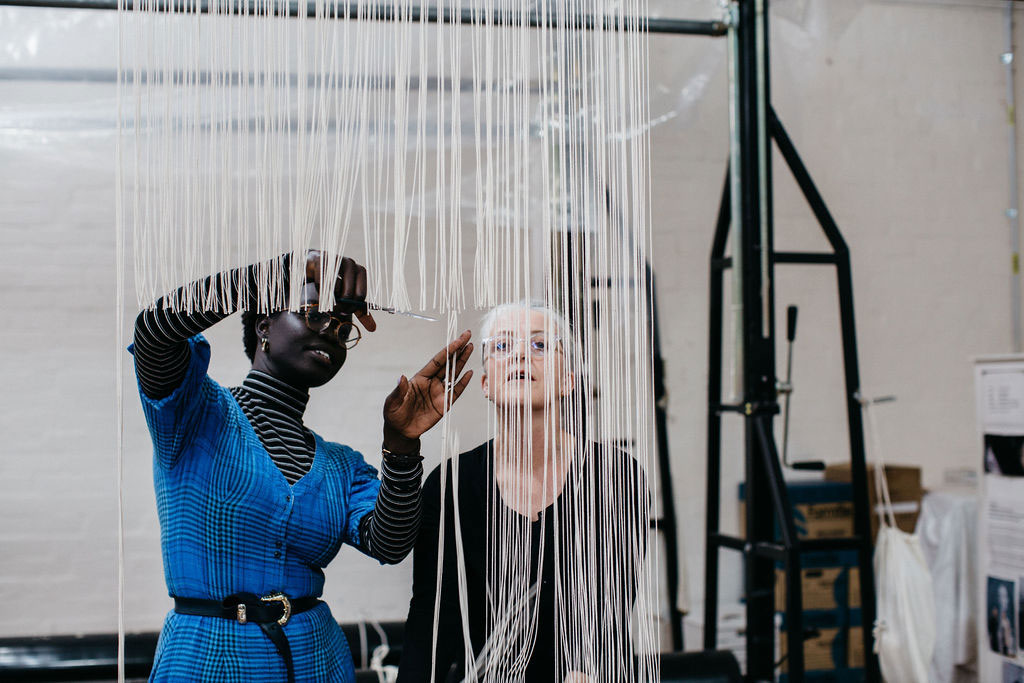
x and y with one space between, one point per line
365 306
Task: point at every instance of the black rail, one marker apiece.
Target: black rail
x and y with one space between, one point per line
383 12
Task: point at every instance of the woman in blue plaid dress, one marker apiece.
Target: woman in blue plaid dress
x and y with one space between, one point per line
252 504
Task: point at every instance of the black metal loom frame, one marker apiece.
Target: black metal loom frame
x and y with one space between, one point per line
770 534
767 499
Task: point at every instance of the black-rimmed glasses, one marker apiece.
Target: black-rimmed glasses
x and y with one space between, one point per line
346 332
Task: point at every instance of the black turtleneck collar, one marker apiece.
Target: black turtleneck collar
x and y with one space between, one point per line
278 394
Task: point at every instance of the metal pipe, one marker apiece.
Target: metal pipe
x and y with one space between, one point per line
669 523
736 203
388 13
791 544
1012 211
758 368
763 149
714 441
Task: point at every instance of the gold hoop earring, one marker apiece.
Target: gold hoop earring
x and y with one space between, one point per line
264 345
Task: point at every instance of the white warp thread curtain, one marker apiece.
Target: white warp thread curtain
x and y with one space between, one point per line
466 166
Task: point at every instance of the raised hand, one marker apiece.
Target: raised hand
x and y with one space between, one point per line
418 403
350 284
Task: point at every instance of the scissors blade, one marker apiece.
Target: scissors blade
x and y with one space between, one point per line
368 306
395 311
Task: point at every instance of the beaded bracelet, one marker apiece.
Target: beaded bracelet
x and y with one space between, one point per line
401 457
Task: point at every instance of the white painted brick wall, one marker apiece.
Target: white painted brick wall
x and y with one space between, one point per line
897 110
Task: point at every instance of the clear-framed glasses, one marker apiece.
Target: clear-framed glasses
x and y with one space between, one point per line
504 345
346 332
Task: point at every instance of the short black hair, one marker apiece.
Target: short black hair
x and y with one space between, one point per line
249 338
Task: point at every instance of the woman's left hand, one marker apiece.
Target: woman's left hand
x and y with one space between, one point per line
419 403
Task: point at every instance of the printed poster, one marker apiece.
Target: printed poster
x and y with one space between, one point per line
999 390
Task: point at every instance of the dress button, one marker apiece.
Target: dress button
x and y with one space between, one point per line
277 553
278 544
288 498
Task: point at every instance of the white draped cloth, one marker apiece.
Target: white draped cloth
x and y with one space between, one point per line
947 530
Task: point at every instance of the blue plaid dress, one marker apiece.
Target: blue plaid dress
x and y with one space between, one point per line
230 523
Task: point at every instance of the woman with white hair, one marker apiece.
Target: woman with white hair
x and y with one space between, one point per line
531 586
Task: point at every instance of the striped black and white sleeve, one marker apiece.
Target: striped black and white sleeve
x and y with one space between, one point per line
161 334
388 532
161 350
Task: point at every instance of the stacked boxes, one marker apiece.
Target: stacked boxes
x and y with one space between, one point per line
834 653
834 650
833 585
830 585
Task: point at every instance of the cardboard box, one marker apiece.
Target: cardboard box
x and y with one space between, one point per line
904 481
823 588
822 509
836 645
824 520
905 492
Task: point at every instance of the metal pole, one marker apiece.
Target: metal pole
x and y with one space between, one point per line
1012 211
388 13
714 444
791 541
758 351
736 202
669 524
763 156
858 461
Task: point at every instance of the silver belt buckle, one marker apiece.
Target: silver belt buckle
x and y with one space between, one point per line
286 607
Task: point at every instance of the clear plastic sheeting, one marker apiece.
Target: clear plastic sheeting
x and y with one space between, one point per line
58 69
57 39
51 47
58 85
58 125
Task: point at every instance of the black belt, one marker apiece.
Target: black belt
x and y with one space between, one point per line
270 613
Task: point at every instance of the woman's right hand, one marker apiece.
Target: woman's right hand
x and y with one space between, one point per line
350 284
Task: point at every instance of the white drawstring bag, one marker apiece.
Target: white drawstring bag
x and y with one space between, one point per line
904 626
